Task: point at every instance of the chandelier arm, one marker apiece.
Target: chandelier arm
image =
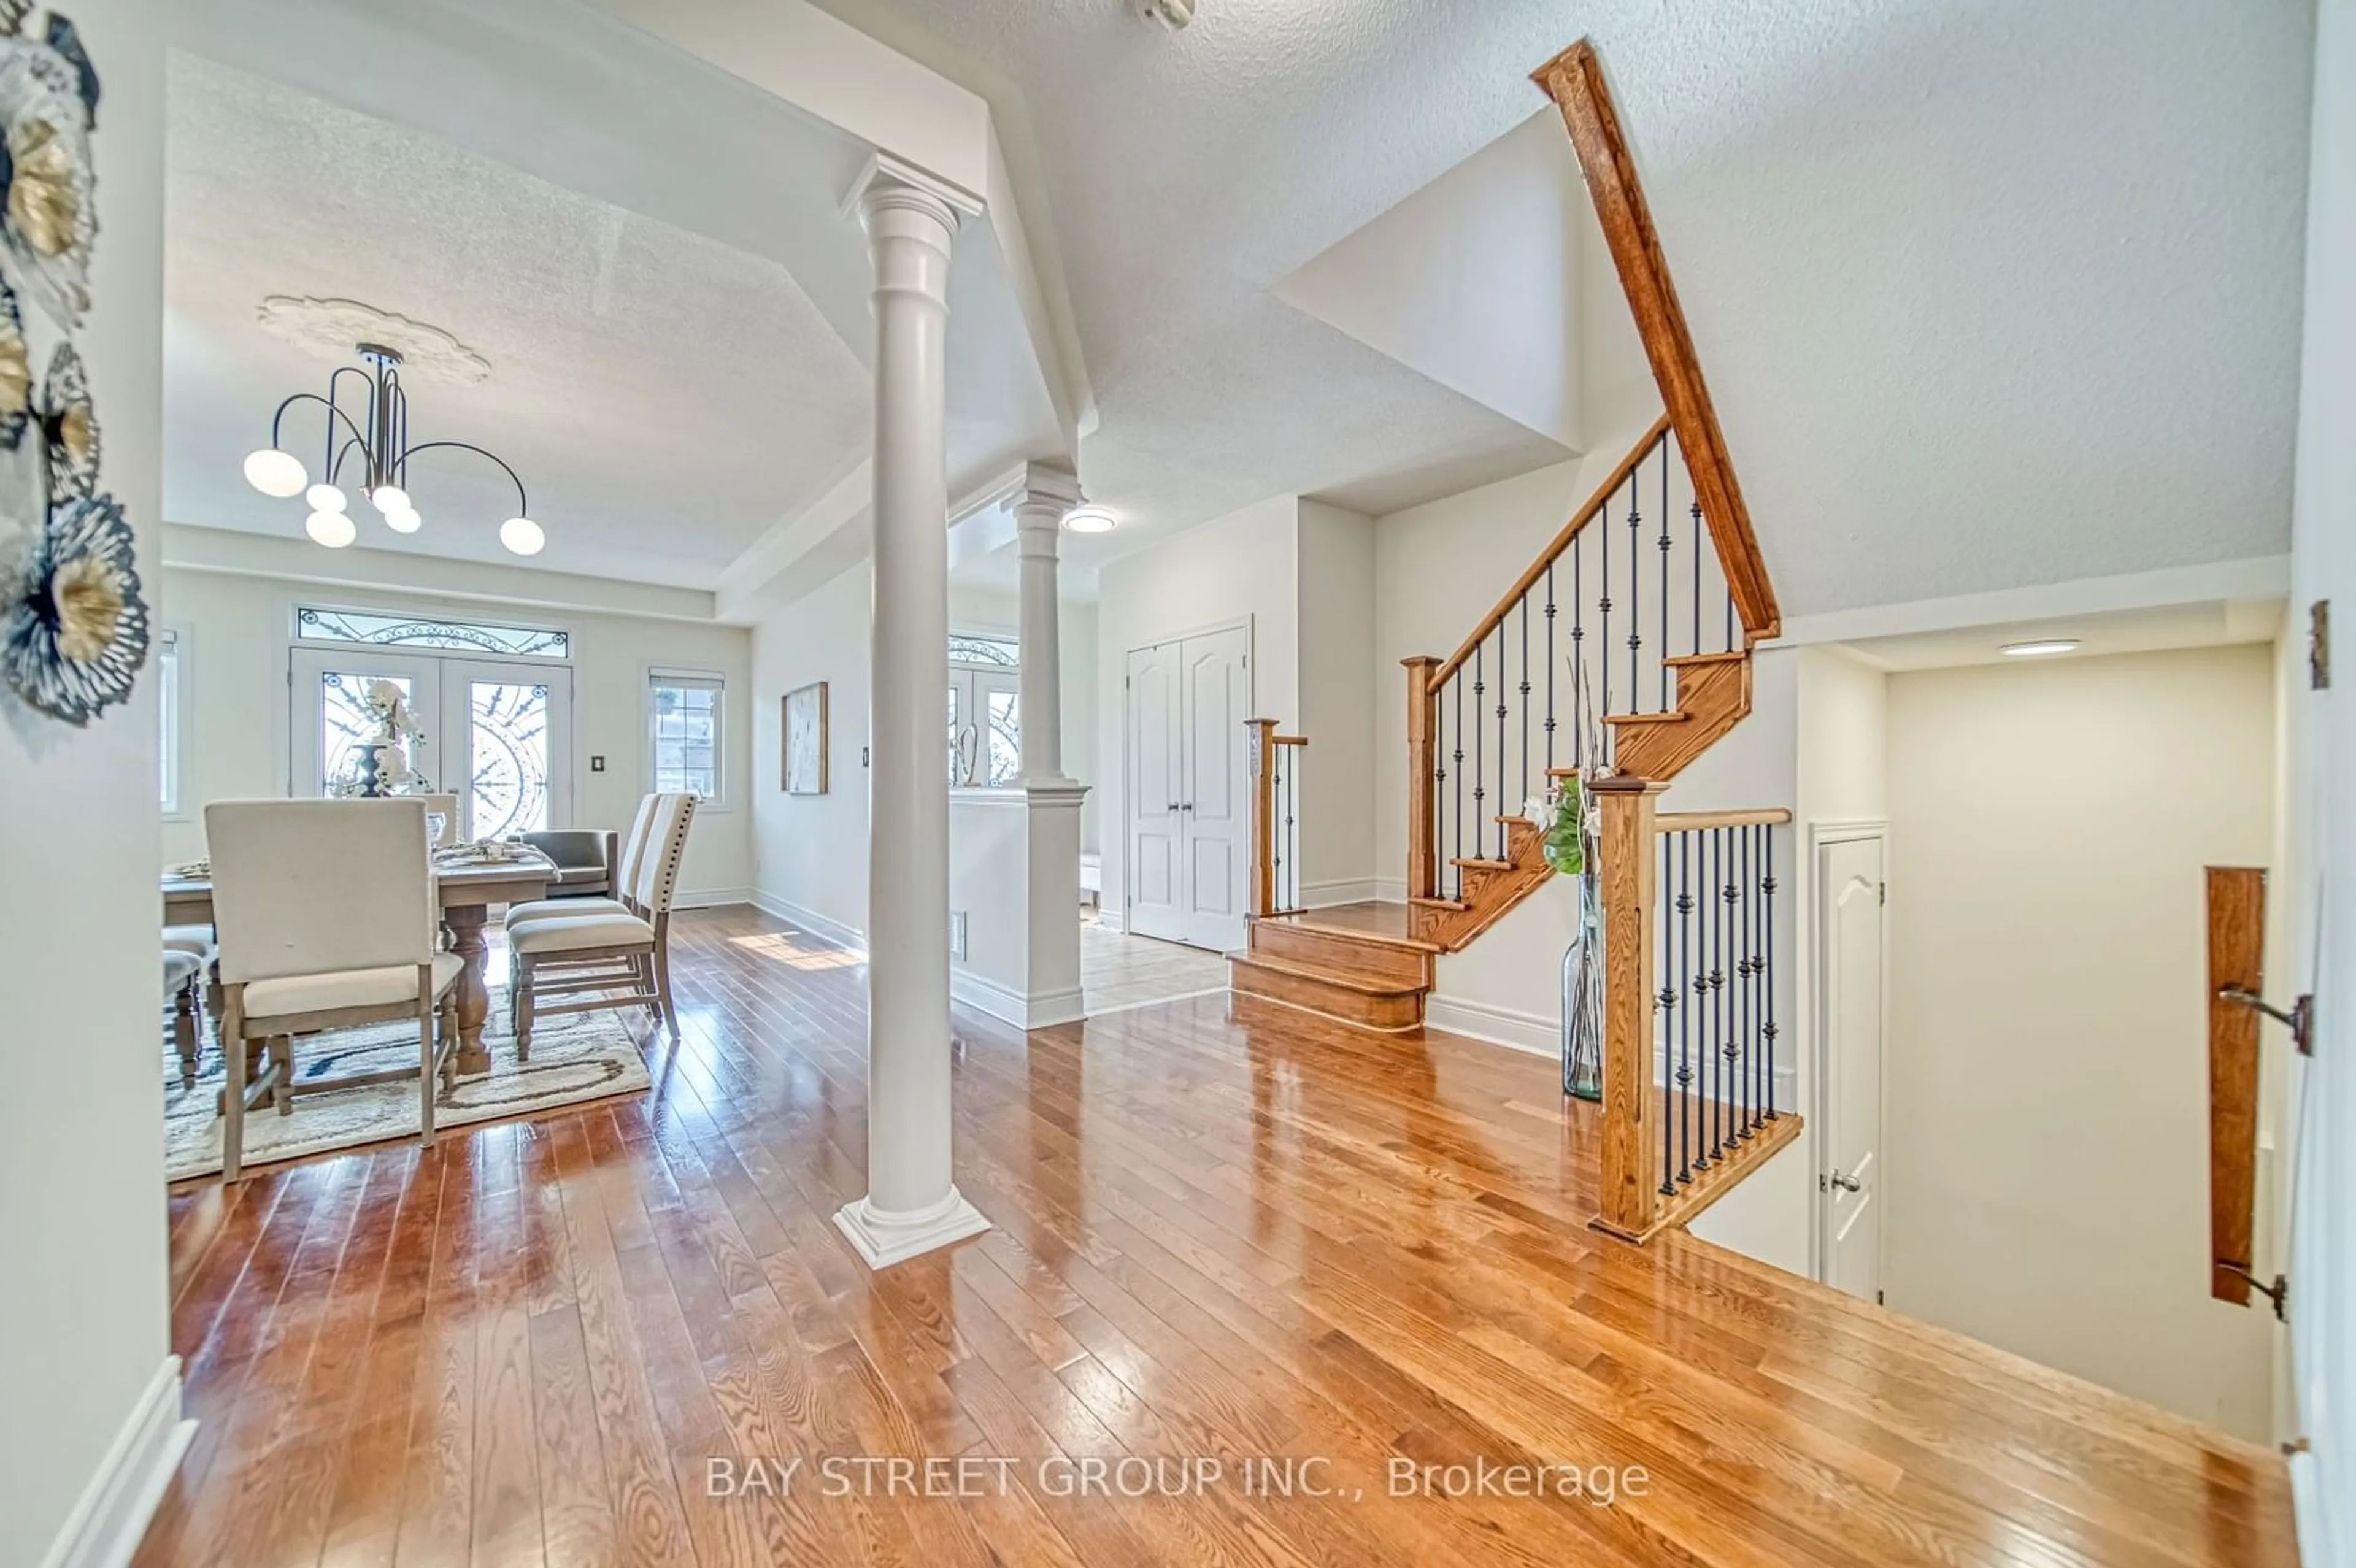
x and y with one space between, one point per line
343 452
334 414
523 507
368 445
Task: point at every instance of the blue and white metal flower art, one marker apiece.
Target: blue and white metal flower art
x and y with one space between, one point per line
73 629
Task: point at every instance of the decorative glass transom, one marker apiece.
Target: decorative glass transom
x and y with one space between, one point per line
418 632
965 648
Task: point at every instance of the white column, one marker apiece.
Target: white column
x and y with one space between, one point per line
1047 495
912 1204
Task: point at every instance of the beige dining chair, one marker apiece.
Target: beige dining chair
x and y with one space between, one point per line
198 993
324 914
624 880
623 957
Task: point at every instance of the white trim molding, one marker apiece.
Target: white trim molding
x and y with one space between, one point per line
1484 1021
1353 891
111 1514
2255 578
714 897
884 1239
809 920
1007 1005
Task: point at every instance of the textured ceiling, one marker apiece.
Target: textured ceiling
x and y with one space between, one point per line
665 398
1988 292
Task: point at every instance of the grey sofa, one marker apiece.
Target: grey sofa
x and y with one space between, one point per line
584 860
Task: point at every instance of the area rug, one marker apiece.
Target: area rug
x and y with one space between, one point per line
575 1058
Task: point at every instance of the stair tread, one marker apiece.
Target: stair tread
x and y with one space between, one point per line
1400 940
1475 863
1736 658
1440 903
1366 986
1674 717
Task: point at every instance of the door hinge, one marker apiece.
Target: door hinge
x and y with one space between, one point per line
1880 1299
1884 887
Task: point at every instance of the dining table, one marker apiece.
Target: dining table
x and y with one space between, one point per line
467 892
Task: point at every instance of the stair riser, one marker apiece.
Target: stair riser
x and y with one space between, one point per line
1401 1010
1328 950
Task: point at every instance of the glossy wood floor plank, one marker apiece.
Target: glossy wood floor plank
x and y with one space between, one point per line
1225 1233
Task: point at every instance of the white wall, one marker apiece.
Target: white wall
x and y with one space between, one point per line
1339 676
83 1314
2046 1135
809 854
2322 770
235 632
1243 565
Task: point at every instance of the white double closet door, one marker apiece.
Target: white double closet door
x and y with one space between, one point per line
497 732
1189 788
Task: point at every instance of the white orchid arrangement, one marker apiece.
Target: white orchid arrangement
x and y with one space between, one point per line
382 763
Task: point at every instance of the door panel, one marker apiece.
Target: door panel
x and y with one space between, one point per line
327 718
1850 875
1156 872
1215 701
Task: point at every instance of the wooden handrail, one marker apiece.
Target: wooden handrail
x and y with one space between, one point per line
2237 923
1553 552
1574 79
1696 821
1288 740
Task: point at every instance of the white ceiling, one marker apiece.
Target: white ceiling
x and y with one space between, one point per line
1988 292
2208 624
664 396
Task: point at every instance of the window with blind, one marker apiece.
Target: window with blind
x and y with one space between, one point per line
685 716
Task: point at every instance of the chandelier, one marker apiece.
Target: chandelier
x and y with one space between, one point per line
372 437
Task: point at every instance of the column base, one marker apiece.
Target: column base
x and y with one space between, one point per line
883 1239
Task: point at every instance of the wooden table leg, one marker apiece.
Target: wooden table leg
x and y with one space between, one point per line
465 922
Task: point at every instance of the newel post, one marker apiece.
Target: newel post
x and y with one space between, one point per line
1263 815
1422 731
1631 1197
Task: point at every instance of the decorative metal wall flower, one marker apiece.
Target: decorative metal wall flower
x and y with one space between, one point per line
69 426
73 628
49 217
16 372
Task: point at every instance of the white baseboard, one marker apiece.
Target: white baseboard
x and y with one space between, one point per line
834 931
1110 919
1389 890
107 1521
1009 1006
1352 891
1499 1026
711 898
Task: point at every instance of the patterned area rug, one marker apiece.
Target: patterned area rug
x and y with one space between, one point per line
574 1057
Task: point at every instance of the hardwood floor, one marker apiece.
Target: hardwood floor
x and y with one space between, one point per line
1219 1237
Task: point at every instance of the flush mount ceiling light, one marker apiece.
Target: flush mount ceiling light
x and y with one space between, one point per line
1172 13
371 435
2045 648
1090 520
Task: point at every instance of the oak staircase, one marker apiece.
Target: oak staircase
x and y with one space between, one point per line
1616 659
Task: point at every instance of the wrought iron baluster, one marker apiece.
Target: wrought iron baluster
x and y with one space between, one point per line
1549 664
1526 696
1506 802
1696 535
1480 781
1603 581
1636 588
1768 1030
1665 581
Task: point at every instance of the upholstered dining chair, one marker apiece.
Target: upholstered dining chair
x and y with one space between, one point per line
610 959
324 913
196 994
623 877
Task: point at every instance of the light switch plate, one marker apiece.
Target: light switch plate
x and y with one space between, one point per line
596 764
957 934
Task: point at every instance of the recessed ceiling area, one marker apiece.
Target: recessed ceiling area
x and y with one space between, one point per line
2218 622
664 396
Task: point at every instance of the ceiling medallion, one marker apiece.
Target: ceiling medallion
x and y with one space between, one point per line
330 326
372 434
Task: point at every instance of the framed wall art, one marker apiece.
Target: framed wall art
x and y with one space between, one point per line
803 766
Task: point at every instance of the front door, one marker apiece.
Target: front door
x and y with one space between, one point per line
1849 937
496 733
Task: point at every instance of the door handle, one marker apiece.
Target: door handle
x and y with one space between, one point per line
1847 1183
1188 807
1173 808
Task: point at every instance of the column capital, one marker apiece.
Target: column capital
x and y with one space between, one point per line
1047 492
886 182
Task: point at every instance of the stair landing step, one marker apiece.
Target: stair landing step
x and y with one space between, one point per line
1363 985
1377 924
